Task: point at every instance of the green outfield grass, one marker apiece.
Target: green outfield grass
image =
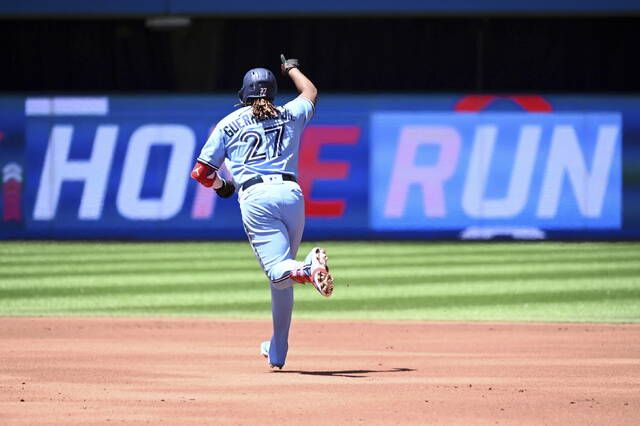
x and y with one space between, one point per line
374 280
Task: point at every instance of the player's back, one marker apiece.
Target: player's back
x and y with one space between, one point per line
253 147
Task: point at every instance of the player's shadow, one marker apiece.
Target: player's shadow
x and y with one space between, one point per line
356 374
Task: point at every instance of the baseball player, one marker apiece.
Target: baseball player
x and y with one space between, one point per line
260 141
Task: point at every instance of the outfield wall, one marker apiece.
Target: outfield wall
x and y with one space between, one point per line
387 166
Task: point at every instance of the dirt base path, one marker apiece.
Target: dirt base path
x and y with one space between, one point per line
180 371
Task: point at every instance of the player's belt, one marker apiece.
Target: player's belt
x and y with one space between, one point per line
260 179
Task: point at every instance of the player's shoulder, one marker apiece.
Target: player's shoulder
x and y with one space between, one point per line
296 108
299 101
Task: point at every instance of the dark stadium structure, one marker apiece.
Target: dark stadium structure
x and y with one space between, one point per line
355 54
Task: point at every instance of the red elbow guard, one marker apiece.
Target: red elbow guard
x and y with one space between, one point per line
204 174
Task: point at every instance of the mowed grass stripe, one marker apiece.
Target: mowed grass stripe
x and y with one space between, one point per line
240 279
225 258
619 308
233 260
52 259
78 277
403 280
26 248
236 279
163 293
365 267
144 252
423 307
230 249
383 249
356 300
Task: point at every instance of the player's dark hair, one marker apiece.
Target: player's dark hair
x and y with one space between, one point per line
263 109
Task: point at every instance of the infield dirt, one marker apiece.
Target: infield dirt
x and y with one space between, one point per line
184 371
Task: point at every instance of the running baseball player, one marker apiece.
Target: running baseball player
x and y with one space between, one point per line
260 142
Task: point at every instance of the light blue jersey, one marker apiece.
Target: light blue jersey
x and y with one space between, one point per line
254 148
272 210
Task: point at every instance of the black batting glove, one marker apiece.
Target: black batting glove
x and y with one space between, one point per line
288 64
226 190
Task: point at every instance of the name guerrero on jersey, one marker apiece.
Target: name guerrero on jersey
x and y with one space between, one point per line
253 148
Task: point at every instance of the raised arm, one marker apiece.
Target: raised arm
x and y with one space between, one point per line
304 86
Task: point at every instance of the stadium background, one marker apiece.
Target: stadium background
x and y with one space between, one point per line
163 66
123 300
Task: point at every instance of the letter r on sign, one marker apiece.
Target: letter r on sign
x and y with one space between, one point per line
431 178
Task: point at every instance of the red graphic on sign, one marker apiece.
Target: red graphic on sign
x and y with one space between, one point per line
312 169
12 192
475 103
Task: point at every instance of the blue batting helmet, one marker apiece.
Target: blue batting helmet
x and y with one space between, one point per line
258 83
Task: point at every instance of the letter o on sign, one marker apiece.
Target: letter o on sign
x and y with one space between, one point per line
181 139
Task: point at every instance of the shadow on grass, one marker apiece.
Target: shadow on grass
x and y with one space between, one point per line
355 374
